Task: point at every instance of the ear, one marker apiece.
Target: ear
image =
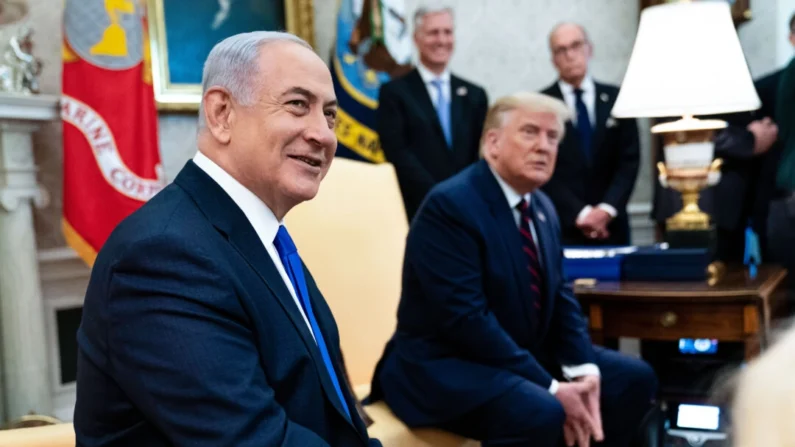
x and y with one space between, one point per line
492 142
219 114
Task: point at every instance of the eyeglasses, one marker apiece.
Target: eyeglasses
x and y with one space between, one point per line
575 47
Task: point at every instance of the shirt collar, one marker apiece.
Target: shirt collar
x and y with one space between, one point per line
258 214
428 76
513 197
587 85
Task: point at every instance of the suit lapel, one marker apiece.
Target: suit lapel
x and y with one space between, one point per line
554 91
324 321
507 229
260 261
231 222
420 91
546 245
570 147
602 107
458 95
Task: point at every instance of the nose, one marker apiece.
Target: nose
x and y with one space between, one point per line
545 143
318 132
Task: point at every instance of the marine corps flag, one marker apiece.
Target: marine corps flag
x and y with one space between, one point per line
372 46
111 157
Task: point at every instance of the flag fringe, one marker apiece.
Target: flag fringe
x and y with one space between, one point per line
78 244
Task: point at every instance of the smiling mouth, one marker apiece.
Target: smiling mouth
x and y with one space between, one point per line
314 162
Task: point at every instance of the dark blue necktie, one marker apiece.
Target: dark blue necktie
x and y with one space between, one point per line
292 264
531 254
583 123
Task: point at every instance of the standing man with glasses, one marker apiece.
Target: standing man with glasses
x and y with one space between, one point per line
599 158
429 121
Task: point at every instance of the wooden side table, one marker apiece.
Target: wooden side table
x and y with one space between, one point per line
735 309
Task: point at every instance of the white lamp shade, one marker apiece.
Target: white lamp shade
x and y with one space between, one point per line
687 60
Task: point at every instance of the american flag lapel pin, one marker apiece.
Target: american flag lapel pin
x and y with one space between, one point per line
542 217
461 91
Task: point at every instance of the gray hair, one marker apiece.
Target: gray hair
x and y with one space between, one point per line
423 11
562 24
233 65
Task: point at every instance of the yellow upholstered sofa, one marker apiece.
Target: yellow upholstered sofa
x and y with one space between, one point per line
352 238
61 435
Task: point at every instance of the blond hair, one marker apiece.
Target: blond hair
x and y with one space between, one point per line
530 101
764 406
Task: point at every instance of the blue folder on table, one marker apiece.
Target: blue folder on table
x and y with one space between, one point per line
601 263
630 263
666 264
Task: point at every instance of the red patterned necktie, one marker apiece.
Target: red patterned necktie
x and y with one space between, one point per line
531 254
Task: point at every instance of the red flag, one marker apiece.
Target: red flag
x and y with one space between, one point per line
111 157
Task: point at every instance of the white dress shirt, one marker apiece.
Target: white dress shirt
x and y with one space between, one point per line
514 198
588 88
428 77
258 214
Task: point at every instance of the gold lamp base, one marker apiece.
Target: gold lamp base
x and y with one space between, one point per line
689 168
689 183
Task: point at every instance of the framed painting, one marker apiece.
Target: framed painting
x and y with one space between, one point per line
741 9
182 33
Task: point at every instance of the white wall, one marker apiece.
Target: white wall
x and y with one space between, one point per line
759 37
784 50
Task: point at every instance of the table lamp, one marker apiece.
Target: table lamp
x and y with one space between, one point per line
687 62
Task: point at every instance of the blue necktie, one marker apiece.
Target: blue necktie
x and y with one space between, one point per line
443 111
583 123
292 264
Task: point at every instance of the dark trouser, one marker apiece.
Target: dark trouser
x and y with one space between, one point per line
529 415
781 244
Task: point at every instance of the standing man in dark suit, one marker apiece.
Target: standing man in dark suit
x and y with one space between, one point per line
201 325
600 156
491 342
429 121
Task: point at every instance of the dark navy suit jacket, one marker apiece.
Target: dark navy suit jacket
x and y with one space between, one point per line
190 337
465 333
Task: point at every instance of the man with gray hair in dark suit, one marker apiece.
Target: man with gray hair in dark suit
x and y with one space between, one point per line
201 324
429 121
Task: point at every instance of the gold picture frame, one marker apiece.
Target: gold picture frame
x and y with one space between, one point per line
172 95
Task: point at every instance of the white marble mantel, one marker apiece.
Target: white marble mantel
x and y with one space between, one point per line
25 367
29 107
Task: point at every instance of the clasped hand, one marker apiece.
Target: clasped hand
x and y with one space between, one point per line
594 224
580 401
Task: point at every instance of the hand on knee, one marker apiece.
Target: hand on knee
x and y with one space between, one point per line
580 401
